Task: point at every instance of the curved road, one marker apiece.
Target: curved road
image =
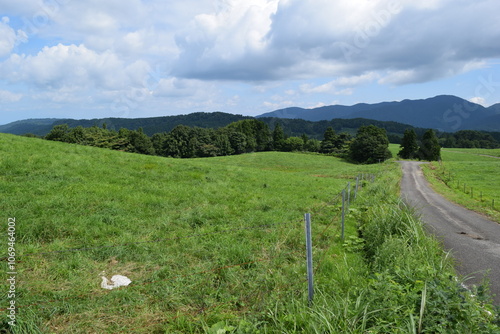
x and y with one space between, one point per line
473 240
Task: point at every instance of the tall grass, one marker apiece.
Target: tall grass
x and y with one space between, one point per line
408 284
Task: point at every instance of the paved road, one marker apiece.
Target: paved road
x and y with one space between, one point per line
473 240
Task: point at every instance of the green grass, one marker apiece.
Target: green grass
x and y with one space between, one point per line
468 179
394 148
216 246
477 151
68 196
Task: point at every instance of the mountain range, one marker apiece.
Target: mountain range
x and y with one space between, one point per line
444 113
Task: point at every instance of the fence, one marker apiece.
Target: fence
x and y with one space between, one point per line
468 189
348 194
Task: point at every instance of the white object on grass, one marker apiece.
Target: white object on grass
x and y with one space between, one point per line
115 281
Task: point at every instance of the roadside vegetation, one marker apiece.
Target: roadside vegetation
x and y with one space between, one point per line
217 246
470 178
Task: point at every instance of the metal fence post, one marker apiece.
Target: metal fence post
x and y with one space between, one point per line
356 189
348 194
343 213
307 219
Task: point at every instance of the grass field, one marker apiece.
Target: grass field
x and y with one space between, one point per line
207 213
216 246
477 151
469 178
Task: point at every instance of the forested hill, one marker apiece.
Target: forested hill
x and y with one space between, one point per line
444 112
298 127
150 125
215 120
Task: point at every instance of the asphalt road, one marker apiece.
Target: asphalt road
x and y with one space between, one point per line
473 240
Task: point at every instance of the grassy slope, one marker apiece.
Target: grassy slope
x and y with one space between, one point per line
465 167
68 196
229 246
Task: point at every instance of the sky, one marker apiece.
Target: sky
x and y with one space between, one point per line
89 59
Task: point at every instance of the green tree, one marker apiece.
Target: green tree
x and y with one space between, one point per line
158 140
329 143
278 137
238 142
178 145
293 144
430 149
313 145
138 141
409 145
58 133
221 140
371 145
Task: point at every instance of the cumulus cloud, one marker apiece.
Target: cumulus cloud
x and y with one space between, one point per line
8 37
72 65
7 96
228 44
94 52
270 40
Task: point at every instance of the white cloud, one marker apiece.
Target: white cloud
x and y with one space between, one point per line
336 86
478 100
226 44
67 65
203 53
6 96
278 105
414 42
8 37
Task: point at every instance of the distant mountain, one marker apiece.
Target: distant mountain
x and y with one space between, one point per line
495 108
444 112
39 127
149 125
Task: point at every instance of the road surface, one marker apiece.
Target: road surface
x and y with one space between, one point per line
473 240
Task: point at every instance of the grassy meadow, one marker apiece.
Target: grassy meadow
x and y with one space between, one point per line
469 177
217 246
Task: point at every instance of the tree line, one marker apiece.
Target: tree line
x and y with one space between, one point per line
469 139
370 144
427 148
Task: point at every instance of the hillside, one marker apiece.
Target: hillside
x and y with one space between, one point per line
150 125
216 245
444 112
39 127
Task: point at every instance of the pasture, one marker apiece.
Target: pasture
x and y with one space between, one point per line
203 240
217 246
469 177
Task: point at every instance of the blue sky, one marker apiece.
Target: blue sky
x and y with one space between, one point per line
133 58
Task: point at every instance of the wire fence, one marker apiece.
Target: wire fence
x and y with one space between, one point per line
293 256
473 191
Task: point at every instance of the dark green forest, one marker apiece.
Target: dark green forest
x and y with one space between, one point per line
244 136
357 140
290 127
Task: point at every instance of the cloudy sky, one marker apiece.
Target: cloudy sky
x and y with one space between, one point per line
144 58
